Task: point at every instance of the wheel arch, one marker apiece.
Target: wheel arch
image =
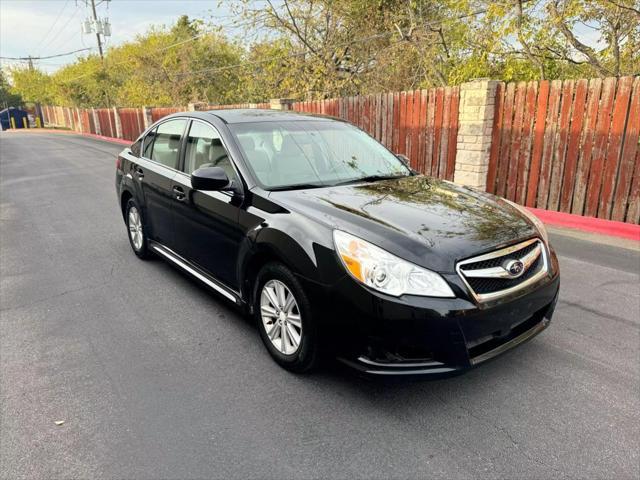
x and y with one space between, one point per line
124 198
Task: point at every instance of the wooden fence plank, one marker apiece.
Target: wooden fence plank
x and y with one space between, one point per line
417 104
586 146
422 122
505 138
603 126
453 134
551 124
444 140
396 123
431 112
629 149
616 136
573 146
437 131
524 156
538 143
495 138
516 136
562 134
633 213
383 119
390 121
415 121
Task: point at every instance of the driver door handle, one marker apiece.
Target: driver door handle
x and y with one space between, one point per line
178 192
138 171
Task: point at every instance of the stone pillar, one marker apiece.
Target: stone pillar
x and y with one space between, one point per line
96 121
475 125
146 114
116 118
281 103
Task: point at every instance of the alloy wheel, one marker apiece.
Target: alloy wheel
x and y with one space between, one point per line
281 317
135 228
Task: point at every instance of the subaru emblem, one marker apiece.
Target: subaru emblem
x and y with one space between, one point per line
514 267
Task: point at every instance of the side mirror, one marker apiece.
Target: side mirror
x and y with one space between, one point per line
404 159
210 178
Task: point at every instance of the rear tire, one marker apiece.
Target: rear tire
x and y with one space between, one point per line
136 230
283 314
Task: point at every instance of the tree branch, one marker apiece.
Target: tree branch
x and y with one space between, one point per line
577 44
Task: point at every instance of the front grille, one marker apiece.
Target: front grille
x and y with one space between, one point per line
490 285
497 261
487 276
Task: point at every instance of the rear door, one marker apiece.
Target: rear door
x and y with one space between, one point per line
207 230
155 171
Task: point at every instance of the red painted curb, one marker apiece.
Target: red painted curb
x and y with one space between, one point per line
121 141
106 139
589 224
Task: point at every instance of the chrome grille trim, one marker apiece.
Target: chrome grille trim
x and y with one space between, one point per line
497 272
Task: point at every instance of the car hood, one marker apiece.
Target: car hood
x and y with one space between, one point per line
430 222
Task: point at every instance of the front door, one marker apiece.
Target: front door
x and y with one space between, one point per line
207 230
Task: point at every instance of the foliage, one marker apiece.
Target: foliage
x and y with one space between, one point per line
7 98
307 49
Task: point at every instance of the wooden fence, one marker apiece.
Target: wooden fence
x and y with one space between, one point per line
569 146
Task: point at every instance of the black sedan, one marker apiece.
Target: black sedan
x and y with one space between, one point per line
334 244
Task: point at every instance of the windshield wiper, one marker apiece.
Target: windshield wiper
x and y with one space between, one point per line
371 178
297 186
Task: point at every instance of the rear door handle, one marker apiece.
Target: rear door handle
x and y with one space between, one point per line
178 192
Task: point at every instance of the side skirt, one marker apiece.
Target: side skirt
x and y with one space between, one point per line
194 271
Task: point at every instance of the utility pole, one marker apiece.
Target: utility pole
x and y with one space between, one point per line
95 19
102 29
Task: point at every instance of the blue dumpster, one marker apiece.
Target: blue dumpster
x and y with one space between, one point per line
19 116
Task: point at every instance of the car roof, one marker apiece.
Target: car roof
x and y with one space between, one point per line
245 115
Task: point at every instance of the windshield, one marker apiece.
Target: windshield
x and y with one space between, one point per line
312 153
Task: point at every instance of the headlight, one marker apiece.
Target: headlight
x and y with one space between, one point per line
535 220
387 273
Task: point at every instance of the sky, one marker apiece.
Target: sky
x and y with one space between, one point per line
48 27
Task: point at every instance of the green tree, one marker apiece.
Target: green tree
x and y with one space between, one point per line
7 97
32 85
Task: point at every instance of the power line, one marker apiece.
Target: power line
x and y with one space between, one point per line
48 56
57 40
52 25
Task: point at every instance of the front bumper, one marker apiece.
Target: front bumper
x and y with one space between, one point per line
410 335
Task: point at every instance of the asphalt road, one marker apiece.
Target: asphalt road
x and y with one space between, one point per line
155 377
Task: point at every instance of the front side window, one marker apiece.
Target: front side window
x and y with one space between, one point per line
313 153
166 147
205 149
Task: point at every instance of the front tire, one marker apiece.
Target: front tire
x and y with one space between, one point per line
135 228
283 314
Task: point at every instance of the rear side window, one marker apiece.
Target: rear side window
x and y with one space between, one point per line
166 146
